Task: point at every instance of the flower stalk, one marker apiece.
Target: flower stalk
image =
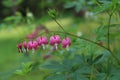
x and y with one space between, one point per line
93 42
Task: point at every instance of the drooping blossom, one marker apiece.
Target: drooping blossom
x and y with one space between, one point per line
25 45
66 42
55 40
19 46
42 41
32 45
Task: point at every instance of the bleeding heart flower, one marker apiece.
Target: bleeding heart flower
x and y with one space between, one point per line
42 41
25 45
55 40
32 45
66 43
19 46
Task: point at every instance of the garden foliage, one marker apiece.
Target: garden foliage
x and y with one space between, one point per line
85 59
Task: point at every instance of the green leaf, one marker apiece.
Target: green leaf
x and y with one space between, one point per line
11 3
56 77
78 7
70 4
10 18
105 56
101 76
116 77
67 63
77 76
97 59
78 59
19 72
26 68
55 66
104 7
52 65
84 70
115 71
115 25
90 59
101 33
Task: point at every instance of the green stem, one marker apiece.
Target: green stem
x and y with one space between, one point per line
92 72
60 25
108 35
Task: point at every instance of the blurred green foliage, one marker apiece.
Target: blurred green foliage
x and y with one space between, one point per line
11 3
85 61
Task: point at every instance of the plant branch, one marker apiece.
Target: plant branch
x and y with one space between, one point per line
89 39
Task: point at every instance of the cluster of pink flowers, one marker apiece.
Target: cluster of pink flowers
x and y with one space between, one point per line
43 41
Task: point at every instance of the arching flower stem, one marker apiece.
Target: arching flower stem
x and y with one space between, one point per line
93 42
